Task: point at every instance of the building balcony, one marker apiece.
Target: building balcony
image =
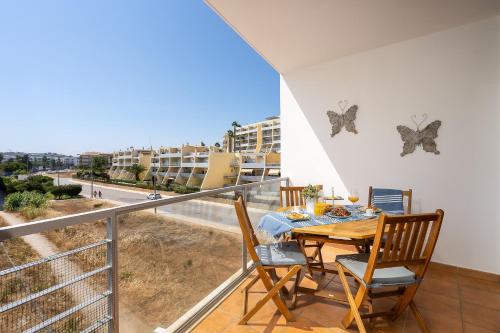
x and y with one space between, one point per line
253 165
188 164
248 178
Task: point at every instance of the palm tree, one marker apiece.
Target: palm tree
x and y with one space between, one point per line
234 124
230 135
136 170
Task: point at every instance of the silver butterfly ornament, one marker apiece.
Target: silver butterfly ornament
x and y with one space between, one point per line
344 119
424 137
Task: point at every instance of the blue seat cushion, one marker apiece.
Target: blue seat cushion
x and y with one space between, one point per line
394 276
287 254
389 200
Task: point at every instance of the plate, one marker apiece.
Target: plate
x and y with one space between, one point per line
295 217
336 216
375 210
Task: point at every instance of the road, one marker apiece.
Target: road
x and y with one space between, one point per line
213 214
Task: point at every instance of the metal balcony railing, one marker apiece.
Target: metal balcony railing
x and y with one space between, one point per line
90 273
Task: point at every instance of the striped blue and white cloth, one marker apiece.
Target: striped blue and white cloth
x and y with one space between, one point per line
277 223
389 200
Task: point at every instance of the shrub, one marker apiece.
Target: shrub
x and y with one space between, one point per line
66 190
31 213
183 189
19 200
13 202
42 184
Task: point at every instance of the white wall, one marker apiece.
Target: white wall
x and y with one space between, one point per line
453 76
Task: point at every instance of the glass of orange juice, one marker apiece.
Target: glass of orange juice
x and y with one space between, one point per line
319 208
353 197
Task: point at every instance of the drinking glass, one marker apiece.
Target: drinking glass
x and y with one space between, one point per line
353 197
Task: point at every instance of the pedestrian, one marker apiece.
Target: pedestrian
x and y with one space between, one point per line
95 194
100 194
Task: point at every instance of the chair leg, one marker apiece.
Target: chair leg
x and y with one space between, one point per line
295 288
320 257
272 293
418 317
354 303
274 276
404 300
302 242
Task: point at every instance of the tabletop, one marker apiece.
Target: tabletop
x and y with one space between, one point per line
359 229
363 229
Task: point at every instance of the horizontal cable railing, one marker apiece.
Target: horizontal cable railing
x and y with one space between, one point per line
77 290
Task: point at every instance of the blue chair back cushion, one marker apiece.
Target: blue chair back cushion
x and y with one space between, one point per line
389 200
287 254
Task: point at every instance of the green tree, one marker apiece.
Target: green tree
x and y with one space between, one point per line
1 157
217 145
202 144
12 166
98 164
45 162
234 124
136 170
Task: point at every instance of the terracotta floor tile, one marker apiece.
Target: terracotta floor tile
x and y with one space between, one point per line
490 286
216 322
445 305
444 286
446 300
469 328
436 322
481 297
481 316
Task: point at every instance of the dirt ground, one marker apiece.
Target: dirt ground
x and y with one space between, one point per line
166 267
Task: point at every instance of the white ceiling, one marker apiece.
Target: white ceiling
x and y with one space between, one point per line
291 34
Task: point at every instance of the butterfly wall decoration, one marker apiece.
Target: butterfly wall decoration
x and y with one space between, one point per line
345 119
424 137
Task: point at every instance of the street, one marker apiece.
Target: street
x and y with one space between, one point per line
214 214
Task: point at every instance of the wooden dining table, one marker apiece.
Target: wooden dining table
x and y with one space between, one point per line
357 233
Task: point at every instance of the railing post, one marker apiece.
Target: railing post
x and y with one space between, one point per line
244 258
287 182
113 280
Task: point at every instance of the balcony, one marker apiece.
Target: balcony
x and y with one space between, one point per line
316 313
201 164
253 165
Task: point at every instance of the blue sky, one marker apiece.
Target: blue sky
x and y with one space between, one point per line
105 75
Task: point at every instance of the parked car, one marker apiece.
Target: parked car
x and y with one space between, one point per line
152 196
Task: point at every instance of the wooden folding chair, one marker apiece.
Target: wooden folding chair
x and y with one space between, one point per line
292 196
398 266
267 259
406 194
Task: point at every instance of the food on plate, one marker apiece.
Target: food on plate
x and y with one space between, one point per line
341 212
375 209
297 216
